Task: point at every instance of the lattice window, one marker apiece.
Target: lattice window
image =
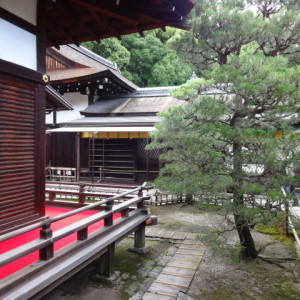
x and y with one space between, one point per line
142 152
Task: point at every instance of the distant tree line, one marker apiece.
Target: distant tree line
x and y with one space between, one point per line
147 61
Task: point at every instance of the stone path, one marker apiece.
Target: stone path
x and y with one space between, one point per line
154 232
178 272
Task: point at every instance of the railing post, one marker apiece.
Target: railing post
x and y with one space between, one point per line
108 221
82 234
47 252
141 205
52 196
125 213
81 197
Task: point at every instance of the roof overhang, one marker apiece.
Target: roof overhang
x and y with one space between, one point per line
76 21
103 129
90 81
55 102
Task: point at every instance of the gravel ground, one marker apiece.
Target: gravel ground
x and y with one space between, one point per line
221 275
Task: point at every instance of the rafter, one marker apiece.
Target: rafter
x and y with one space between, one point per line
103 22
66 10
113 13
54 28
111 27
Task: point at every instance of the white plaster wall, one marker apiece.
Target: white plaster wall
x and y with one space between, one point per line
79 102
17 45
25 9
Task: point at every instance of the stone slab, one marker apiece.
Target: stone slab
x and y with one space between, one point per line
182 264
152 296
191 236
159 287
181 281
179 271
152 232
179 235
193 258
167 234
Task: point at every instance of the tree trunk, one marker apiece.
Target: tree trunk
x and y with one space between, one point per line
248 249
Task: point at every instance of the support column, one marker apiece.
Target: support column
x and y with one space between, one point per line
93 157
147 159
77 156
107 260
139 236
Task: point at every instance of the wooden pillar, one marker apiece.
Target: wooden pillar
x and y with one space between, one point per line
107 259
54 118
77 156
93 157
139 236
91 96
147 159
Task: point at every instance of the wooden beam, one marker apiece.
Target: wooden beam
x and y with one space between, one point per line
117 13
56 28
66 10
105 21
111 27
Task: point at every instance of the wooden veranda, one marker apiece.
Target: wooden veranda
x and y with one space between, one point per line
53 267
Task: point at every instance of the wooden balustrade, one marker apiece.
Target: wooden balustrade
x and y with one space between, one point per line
47 238
61 173
82 191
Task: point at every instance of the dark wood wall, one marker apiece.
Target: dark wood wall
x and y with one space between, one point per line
61 150
21 153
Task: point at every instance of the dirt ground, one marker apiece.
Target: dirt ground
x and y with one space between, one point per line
220 276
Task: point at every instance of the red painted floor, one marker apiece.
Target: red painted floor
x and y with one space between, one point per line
30 236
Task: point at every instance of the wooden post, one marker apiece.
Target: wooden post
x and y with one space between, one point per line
93 157
82 234
139 236
107 259
52 196
147 159
77 156
81 197
125 213
47 252
109 220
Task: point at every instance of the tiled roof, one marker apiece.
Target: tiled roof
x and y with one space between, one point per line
95 56
132 105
